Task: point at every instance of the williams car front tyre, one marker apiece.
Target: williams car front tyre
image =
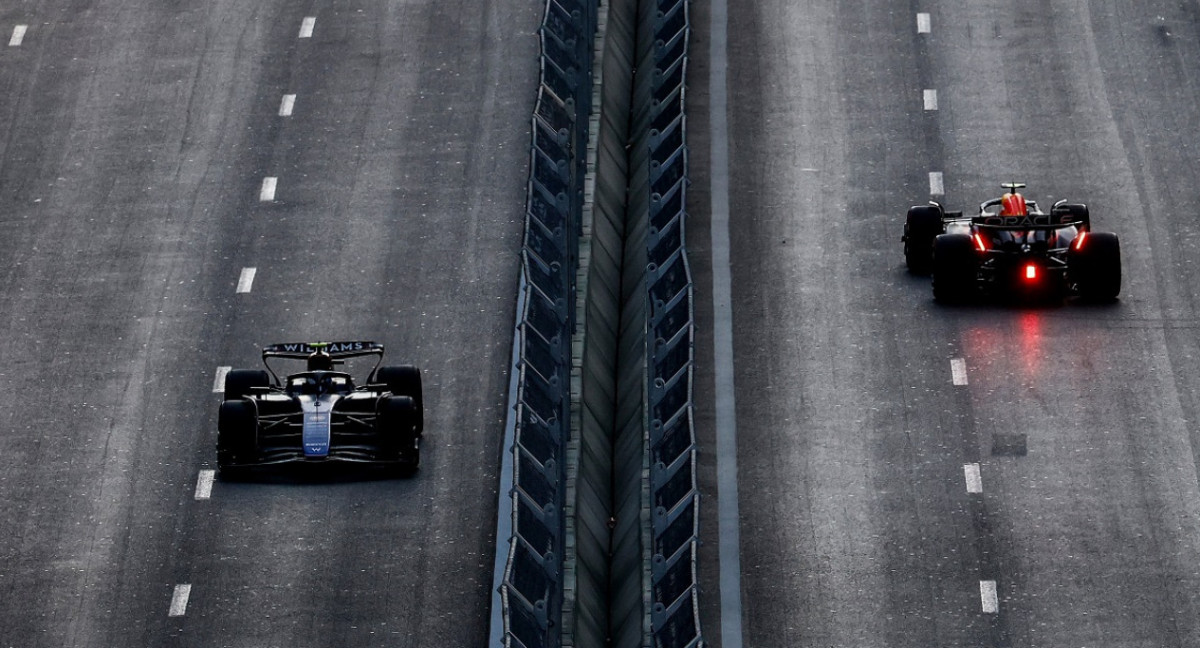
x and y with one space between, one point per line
240 383
237 434
396 424
405 380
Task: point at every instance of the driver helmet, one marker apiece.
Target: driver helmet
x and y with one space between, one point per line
1013 204
320 360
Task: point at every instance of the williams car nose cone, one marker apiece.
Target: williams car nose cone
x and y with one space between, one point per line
317 424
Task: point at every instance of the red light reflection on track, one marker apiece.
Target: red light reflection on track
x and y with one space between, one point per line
1013 347
1032 349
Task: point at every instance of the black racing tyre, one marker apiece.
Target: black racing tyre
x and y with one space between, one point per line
954 268
921 226
239 382
1077 212
396 424
237 432
405 380
1095 268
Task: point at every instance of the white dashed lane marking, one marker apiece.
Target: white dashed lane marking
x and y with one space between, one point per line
974 479
219 382
246 280
987 596
923 23
989 600
931 100
267 193
179 600
306 27
204 484
958 371
18 35
936 187
286 106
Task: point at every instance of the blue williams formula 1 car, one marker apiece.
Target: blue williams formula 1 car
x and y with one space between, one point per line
319 415
1013 248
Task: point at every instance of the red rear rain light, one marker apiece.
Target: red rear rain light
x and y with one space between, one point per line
1079 240
979 244
1030 272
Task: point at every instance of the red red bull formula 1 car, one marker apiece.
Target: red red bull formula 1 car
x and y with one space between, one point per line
1012 248
320 415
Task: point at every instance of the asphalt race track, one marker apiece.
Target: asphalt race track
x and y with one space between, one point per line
884 501
182 183
150 157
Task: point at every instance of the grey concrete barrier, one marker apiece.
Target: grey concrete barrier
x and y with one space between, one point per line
605 498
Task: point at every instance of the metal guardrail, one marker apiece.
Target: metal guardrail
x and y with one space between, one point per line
531 587
675 616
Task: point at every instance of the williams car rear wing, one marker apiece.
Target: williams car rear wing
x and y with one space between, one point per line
302 350
336 350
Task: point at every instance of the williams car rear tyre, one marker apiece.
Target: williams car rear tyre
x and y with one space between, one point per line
397 428
237 433
240 382
405 380
1095 268
954 268
921 226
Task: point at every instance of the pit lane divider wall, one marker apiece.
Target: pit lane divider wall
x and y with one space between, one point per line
635 449
604 501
